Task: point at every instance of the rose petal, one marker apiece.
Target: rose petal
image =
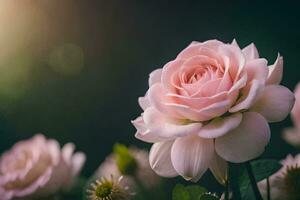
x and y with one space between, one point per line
148 137
247 141
249 96
275 71
234 43
233 59
143 133
275 103
191 156
212 44
296 109
199 102
250 52
164 127
78 161
155 77
144 102
160 159
207 113
67 152
257 69
292 136
158 98
219 168
240 83
220 126
189 51
168 71
193 48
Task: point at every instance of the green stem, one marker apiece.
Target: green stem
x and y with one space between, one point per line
253 181
227 190
233 181
268 189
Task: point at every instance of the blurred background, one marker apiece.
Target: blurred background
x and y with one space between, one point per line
73 70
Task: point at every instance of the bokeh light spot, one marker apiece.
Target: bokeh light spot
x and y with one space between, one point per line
67 59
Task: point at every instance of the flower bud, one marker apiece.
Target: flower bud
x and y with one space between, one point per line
126 163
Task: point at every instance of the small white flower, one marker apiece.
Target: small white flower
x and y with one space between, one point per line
108 189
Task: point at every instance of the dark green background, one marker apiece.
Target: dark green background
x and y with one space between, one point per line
122 42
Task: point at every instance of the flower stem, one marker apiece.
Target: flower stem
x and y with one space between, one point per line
253 181
268 189
233 181
227 190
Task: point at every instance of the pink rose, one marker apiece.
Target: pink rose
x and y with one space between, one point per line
38 167
292 135
211 104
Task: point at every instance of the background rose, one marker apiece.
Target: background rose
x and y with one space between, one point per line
38 167
292 135
211 104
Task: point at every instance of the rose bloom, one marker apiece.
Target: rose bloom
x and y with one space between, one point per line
37 167
211 104
144 173
284 184
292 135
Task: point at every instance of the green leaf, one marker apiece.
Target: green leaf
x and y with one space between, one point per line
209 196
262 169
265 168
195 191
180 193
191 192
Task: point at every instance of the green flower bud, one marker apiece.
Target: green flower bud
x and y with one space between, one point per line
126 163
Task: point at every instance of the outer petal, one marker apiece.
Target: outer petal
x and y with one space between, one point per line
78 161
191 156
257 69
220 126
194 48
168 128
234 43
143 133
144 102
155 77
275 71
249 96
250 52
275 104
160 159
219 167
245 142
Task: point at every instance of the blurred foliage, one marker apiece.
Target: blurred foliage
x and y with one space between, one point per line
192 192
125 161
262 169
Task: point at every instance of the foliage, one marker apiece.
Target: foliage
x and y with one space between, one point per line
192 192
262 169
